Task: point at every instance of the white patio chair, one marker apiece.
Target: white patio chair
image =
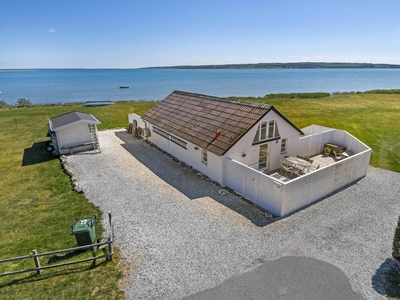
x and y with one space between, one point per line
297 170
338 155
286 166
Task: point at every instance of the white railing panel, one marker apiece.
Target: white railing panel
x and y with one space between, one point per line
297 194
250 184
321 184
234 176
338 137
270 194
342 174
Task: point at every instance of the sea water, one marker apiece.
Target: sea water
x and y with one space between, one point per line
43 86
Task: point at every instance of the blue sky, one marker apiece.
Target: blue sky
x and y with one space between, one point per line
132 34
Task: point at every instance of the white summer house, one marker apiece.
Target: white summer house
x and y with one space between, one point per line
245 146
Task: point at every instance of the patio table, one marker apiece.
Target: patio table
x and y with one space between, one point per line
305 165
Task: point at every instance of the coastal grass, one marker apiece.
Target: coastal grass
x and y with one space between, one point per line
38 203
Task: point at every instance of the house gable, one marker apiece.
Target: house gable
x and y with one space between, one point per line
268 129
212 123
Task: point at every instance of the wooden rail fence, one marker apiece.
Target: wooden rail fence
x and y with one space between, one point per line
35 256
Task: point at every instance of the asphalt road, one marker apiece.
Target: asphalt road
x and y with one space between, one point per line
285 278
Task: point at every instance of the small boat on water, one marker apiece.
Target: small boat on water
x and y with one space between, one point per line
124 86
97 103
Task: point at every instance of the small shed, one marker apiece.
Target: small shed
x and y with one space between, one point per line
74 131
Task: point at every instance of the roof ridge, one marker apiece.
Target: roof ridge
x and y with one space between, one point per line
70 112
224 99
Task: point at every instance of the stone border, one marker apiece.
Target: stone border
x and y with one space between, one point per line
67 170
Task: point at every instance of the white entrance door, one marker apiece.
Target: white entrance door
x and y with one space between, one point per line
263 158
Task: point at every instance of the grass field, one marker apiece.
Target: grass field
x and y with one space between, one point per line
38 203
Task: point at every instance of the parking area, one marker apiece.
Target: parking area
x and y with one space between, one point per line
179 235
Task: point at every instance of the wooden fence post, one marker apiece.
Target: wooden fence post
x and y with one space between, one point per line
111 238
36 260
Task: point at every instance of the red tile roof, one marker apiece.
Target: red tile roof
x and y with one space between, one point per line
196 118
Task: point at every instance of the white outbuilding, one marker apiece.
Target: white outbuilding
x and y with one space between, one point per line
73 131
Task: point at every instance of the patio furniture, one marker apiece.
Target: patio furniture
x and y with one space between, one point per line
314 168
337 155
285 165
301 163
297 170
333 147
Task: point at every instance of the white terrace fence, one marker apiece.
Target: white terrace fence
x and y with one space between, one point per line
283 198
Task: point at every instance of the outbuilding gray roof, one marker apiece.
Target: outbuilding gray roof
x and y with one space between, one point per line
71 118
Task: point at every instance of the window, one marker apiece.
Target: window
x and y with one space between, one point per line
263 157
263 131
204 157
271 129
284 144
266 130
170 137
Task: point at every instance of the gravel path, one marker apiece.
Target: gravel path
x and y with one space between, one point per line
179 236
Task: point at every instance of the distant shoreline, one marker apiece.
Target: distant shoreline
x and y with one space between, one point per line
300 65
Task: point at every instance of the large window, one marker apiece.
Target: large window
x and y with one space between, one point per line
170 137
266 130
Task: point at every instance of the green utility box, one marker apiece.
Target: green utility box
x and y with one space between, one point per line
84 231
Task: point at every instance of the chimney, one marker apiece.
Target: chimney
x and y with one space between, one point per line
217 133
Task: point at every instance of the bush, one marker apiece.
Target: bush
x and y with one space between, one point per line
3 103
23 102
396 242
299 95
394 91
346 93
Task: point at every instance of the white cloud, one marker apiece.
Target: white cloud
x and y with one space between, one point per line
51 30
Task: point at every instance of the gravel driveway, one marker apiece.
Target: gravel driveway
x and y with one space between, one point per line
179 236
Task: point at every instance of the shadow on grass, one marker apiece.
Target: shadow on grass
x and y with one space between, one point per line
59 257
386 280
48 274
189 181
36 154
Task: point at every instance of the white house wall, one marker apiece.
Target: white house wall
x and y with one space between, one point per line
244 145
214 167
140 122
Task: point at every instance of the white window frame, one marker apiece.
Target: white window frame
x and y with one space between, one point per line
204 156
267 130
271 129
284 145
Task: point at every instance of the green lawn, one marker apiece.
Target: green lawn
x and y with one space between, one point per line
38 204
